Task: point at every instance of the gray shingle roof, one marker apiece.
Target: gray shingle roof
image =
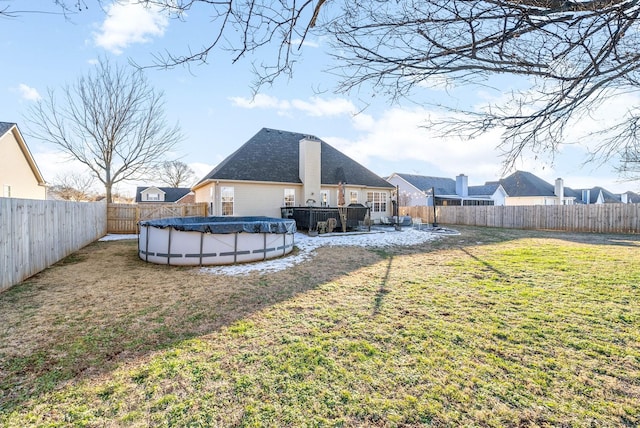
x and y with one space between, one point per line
609 198
487 189
273 155
633 198
442 185
522 183
171 194
5 126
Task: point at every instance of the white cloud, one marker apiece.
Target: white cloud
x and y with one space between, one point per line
200 169
260 101
28 93
398 140
314 106
320 107
128 23
399 135
309 43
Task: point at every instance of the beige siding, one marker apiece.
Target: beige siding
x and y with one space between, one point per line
144 195
250 199
535 200
16 172
266 199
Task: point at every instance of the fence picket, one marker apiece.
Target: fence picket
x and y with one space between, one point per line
34 234
600 218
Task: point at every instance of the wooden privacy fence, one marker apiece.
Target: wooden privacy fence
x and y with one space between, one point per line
35 234
600 218
124 218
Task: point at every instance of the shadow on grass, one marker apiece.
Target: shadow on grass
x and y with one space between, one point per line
81 319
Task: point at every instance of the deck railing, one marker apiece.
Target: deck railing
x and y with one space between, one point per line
347 218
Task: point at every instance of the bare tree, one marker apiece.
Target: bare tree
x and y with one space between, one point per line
61 7
629 168
73 187
575 54
110 120
175 174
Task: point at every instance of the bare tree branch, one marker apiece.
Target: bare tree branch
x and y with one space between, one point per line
175 174
111 121
576 54
73 187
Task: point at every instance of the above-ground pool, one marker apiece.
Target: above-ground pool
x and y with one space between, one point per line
214 240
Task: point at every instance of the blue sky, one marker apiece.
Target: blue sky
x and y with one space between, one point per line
214 107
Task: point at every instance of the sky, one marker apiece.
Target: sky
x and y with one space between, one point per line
214 104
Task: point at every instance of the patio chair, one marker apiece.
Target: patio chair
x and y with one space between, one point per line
417 223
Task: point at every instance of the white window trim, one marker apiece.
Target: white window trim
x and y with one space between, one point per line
289 203
224 190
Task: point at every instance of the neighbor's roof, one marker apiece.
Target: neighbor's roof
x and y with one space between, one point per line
171 194
522 183
5 127
487 189
8 126
273 156
609 197
442 185
633 198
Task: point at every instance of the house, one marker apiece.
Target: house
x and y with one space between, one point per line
525 188
599 195
276 169
416 190
19 174
630 198
153 194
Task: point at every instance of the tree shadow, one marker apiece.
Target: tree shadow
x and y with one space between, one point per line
104 306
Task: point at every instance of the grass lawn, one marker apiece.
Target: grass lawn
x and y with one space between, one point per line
489 328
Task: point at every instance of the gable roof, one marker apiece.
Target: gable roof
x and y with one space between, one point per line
487 189
442 185
522 183
6 127
171 194
272 155
609 197
632 197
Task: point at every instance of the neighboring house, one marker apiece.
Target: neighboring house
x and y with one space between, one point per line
525 188
19 174
417 190
153 194
599 195
276 169
630 198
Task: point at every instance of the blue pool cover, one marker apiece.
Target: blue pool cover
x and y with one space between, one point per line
225 224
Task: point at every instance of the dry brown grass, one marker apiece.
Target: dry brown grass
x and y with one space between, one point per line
379 318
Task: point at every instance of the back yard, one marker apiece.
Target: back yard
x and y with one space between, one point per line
489 328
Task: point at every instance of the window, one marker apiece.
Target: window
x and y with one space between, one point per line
6 191
226 198
324 198
289 198
378 201
153 197
353 197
